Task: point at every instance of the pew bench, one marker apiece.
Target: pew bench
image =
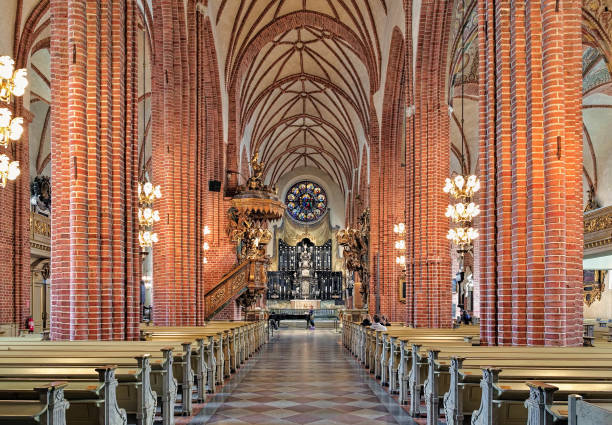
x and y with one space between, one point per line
167 361
448 374
134 393
95 400
511 402
48 406
142 378
585 412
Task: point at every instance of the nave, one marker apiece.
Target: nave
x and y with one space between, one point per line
303 377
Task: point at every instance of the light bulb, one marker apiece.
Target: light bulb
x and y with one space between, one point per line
447 185
21 82
204 260
6 67
402 227
206 246
154 237
148 188
206 231
5 117
459 181
157 192
156 215
450 211
16 128
13 171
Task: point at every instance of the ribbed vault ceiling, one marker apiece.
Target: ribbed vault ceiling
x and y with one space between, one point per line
303 72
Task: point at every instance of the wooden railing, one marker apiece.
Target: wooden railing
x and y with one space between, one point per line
249 274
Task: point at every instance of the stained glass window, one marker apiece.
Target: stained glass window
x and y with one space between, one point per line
306 201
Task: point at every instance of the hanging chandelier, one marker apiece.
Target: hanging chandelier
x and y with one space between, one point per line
461 188
400 244
12 83
9 170
147 215
205 245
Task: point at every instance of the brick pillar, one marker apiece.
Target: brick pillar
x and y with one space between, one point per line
389 183
15 276
188 151
531 162
95 265
428 140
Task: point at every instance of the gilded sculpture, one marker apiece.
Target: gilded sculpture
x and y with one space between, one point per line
356 251
252 208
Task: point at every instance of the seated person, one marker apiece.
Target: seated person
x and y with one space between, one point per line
384 321
465 317
377 326
366 321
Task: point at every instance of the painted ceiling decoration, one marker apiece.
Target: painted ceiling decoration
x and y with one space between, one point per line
303 73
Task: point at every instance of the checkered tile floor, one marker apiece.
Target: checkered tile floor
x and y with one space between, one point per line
303 377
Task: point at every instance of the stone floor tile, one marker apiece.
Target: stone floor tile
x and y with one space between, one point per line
303 377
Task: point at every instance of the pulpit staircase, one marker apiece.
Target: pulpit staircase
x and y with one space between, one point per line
247 278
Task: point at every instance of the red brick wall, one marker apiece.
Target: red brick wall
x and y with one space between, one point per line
427 159
15 234
387 183
188 151
95 267
15 275
531 160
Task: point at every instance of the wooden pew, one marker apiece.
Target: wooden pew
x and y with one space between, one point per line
510 402
134 392
48 409
582 412
220 340
94 401
233 342
160 364
448 372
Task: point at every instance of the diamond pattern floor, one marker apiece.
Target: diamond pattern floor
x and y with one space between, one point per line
303 377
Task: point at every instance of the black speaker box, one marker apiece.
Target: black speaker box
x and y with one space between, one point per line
214 186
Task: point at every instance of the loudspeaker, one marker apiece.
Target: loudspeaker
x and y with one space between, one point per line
214 186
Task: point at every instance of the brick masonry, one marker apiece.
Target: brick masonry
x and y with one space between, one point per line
95 265
528 258
531 160
428 273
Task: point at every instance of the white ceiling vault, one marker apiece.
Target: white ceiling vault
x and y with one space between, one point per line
308 75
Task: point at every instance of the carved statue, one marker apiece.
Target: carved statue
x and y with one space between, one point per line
255 182
356 251
252 237
592 203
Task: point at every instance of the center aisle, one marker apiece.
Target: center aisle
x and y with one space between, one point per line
304 377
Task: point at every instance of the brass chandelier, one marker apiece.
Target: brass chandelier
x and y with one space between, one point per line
461 188
205 245
463 212
12 83
400 230
147 215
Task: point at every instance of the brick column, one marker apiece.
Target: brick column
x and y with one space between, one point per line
531 162
95 265
388 182
428 141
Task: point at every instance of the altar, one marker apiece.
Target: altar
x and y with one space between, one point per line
305 304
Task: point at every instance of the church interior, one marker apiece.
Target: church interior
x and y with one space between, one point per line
306 212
